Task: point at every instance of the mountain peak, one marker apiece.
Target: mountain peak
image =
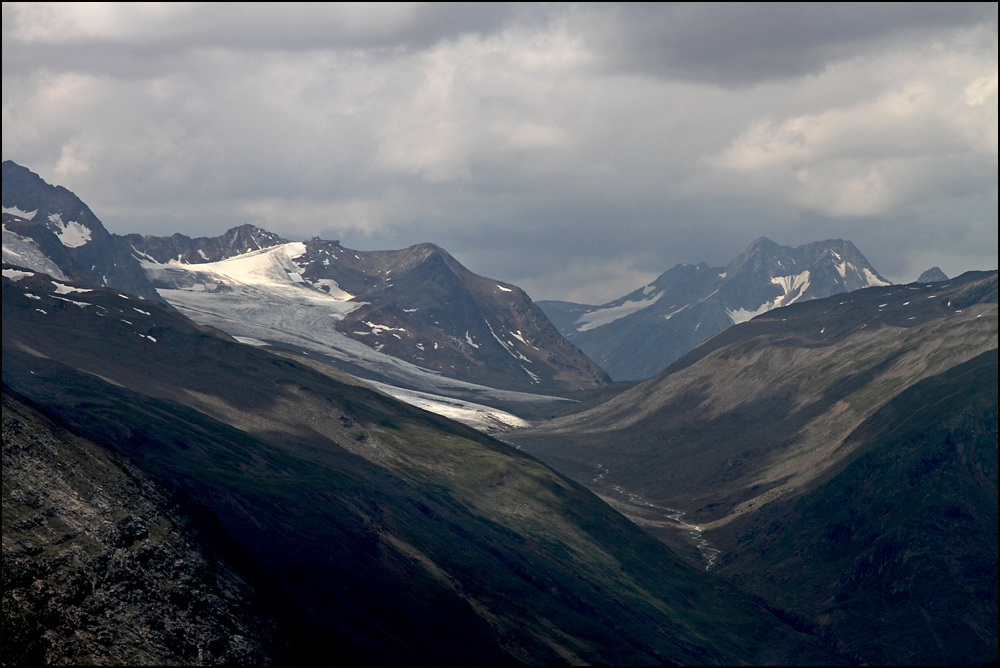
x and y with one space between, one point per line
932 275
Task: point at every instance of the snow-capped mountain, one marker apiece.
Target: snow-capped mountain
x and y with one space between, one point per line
49 229
640 334
414 316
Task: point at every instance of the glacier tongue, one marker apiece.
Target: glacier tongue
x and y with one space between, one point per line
256 298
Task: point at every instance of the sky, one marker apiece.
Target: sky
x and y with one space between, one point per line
577 151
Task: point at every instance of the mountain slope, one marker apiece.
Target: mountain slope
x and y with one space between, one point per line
374 309
100 562
45 225
390 534
642 333
766 411
902 539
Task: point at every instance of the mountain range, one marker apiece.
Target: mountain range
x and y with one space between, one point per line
215 452
415 318
636 336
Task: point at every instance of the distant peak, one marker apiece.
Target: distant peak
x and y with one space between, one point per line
932 275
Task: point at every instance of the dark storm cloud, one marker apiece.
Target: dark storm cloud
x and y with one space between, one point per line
743 43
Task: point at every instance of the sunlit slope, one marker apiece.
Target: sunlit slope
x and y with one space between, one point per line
392 534
762 408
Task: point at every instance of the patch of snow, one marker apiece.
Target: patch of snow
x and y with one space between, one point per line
842 268
518 337
333 289
534 378
673 313
477 416
378 329
31 296
71 234
872 279
14 211
649 288
151 338
723 274
250 341
500 341
41 311
793 287
140 311
410 310
16 274
604 316
67 289
742 315
80 304
504 289
123 296
468 339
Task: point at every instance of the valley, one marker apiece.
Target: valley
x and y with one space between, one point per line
797 463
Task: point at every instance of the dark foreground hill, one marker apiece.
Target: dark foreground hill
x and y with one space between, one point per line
215 503
841 453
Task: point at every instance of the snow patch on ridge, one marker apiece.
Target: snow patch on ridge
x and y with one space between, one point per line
14 211
603 316
873 280
792 287
71 234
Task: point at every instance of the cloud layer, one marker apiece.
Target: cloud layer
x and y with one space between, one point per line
576 151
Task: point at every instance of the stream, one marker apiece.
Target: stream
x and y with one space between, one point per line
693 532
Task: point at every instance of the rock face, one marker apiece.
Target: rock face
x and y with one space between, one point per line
642 333
181 248
46 226
840 452
933 275
421 305
101 565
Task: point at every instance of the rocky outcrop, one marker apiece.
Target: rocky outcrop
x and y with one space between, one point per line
101 565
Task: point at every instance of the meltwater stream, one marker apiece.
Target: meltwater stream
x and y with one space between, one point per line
693 531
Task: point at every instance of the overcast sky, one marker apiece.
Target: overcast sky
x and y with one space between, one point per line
576 151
